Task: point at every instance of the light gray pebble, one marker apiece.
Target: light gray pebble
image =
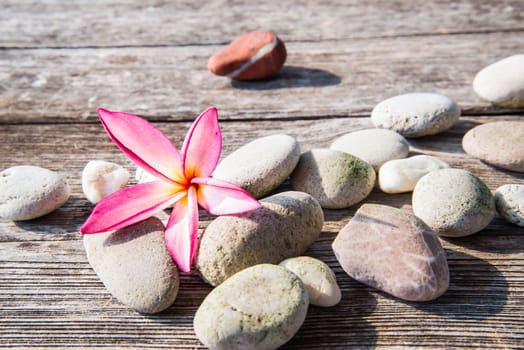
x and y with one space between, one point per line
509 200
453 202
28 192
416 114
285 226
135 265
261 307
336 179
498 143
401 175
101 178
261 165
142 176
318 278
502 82
375 146
394 251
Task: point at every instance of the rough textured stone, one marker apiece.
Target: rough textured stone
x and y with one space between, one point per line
498 143
135 266
509 200
375 146
285 226
336 179
261 165
318 278
453 202
394 251
101 178
502 83
28 192
261 307
401 175
416 114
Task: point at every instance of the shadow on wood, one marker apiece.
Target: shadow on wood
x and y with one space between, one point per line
291 77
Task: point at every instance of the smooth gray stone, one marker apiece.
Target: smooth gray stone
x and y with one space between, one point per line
453 202
261 307
416 114
135 266
285 226
261 165
394 251
509 200
28 192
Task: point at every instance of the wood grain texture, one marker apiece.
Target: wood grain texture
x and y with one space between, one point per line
98 23
50 297
323 79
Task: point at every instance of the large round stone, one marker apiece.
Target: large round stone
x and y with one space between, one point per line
336 179
498 143
261 307
285 226
135 266
28 192
453 202
416 114
394 251
261 165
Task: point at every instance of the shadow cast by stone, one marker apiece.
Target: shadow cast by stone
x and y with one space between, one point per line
291 77
477 290
66 219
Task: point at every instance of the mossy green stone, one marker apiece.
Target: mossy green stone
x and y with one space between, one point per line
261 307
336 179
453 202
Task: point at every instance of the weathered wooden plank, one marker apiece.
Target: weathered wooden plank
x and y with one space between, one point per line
81 23
346 77
50 297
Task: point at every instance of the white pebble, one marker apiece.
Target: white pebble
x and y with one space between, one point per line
142 176
401 175
319 279
509 200
101 178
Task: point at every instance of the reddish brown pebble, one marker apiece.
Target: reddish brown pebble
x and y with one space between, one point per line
254 55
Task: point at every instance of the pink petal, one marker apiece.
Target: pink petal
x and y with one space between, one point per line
130 205
144 144
223 198
182 231
202 145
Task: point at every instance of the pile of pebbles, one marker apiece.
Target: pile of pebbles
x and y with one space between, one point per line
264 284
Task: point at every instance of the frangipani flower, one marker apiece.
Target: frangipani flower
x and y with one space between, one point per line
183 180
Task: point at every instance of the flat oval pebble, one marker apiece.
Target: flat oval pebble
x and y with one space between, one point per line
502 82
319 279
285 226
401 175
261 307
28 192
101 178
375 146
509 200
416 114
498 143
261 165
336 179
453 202
394 251
135 266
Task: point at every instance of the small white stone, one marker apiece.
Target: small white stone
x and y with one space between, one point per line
101 178
142 176
509 200
375 146
319 279
502 83
416 114
28 192
401 175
